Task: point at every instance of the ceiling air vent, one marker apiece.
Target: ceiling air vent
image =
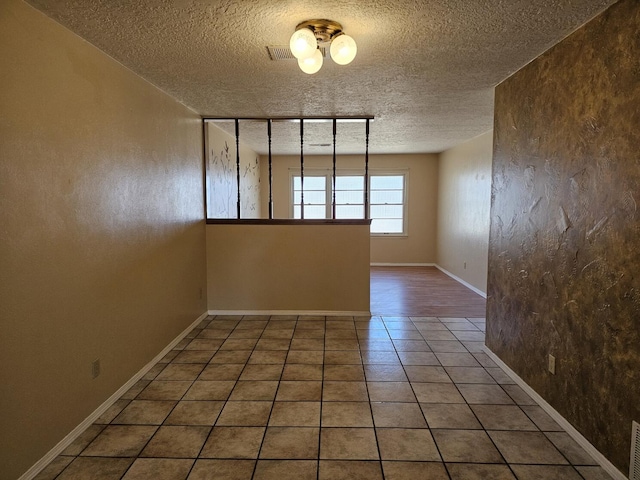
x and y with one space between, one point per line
634 469
282 52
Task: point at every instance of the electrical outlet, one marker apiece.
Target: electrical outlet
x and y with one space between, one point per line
95 368
465 265
552 364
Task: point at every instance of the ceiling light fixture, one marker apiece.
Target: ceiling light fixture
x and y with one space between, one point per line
310 35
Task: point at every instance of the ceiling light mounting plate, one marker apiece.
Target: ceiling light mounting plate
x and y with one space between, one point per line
323 29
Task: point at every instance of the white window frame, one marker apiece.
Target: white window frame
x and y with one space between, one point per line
315 172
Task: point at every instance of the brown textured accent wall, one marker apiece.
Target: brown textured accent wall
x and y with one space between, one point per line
564 254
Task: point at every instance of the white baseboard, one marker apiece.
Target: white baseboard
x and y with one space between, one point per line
560 420
377 264
324 313
459 280
87 422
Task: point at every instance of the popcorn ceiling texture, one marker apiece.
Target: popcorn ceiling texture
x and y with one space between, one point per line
426 70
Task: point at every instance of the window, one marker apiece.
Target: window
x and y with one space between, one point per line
387 199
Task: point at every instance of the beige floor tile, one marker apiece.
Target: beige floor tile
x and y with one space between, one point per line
120 441
457 359
344 373
537 472
221 372
469 375
484 394
165 390
95 469
344 391
181 371
337 357
284 469
374 344
439 335
254 390
245 414
193 356
314 344
346 414
418 358
231 356
294 371
446 346
474 346
468 446
437 393
309 333
294 390
159 469
210 390
290 443
309 357
349 470
412 346
503 417
500 376
140 385
348 444
450 415
484 360
341 344
527 447
57 465
273 344
471 471
407 444
470 336
427 374
295 414
385 373
261 372
570 448
349 334
83 440
247 333
190 412
112 412
233 442
518 395
391 392
278 333
176 442
397 414
276 357
593 473
541 418
222 470
380 357
239 344
207 344
414 470
145 412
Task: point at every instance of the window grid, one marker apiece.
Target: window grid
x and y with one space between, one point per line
387 199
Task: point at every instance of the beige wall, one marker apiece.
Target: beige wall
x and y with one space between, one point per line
222 177
102 243
270 268
464 201
419 246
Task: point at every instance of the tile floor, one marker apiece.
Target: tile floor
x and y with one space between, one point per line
326 398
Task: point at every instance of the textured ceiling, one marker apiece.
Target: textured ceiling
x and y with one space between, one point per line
425 69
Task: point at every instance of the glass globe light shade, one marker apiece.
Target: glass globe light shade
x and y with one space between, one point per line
311 64
303 43
343 49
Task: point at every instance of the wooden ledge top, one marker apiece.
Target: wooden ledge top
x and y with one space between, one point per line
284 221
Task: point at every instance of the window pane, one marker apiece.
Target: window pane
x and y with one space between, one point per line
349 211
343 197
386 196
386 211
315 197
387 182
314 183
314 211
386 225
350 183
